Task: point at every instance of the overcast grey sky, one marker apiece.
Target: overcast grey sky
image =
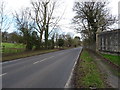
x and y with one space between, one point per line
12 5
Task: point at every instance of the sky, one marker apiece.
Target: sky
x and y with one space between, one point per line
67 5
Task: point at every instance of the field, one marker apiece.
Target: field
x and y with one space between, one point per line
13 51
113 58
12 48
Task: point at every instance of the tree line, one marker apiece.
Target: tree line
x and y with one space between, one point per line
36 25
56 41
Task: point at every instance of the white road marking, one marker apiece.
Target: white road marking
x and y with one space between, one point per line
62 53
11 61
67 85
43 60
2 74
36 62
15 60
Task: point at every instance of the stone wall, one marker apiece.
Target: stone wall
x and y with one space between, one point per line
109 41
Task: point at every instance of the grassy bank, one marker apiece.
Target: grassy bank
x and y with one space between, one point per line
26 54
113 58
87 73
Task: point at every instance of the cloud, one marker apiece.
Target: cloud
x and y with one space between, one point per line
13 5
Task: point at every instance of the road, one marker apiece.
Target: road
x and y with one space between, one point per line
51 70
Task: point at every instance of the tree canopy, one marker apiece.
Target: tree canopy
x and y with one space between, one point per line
91 16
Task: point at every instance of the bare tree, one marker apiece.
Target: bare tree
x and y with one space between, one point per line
90 16
4 21
25 24
43 17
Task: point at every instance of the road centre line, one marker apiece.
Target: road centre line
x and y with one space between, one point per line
43 60
2 74
60 53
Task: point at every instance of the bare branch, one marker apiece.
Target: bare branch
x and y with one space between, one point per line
4 22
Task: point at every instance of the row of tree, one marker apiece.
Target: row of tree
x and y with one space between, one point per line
58 41
36 24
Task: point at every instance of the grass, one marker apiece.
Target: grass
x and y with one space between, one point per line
89 74
26 54
13 51
13 45
12 48
113 58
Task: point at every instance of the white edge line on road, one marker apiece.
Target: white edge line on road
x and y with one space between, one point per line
67 85
13 60
3 74
43 60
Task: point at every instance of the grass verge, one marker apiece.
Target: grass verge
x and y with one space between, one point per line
87 73
113 58
26 54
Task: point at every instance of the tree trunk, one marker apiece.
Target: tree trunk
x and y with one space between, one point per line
46 37
41 39
45 26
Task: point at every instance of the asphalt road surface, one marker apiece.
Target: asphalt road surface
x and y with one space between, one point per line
51 70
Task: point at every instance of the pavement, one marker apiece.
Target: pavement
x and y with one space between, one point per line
51 70
109 72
